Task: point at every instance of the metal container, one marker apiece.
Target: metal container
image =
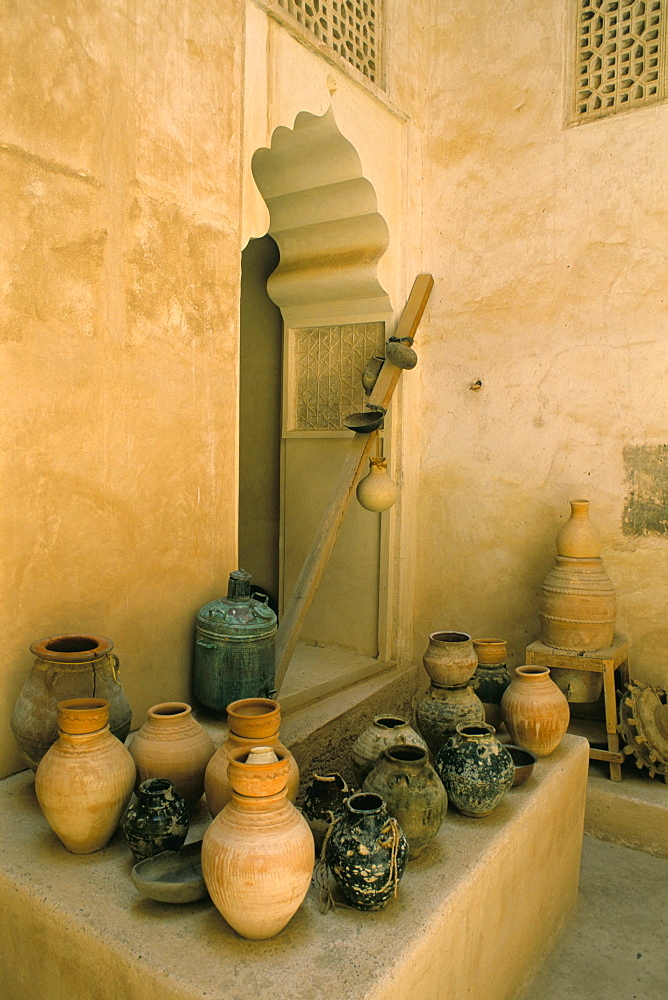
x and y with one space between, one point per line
234 647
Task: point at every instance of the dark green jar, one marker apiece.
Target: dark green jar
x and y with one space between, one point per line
234 647
157 821
491 677
475 768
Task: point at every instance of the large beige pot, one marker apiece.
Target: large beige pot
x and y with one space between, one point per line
535 711
450 659
85 780
578 538
578 607
258 853
173 745
251 721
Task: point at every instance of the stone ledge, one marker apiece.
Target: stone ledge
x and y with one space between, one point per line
632 812
474 914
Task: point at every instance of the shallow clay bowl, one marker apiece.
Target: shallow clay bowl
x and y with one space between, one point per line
523 760
173 876
364 423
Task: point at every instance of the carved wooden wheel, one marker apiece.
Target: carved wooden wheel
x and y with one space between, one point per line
643 715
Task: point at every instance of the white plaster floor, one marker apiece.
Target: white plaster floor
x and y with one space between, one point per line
616 946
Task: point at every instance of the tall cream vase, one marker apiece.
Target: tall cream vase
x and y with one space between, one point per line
171 744
535 711
85 780
258 853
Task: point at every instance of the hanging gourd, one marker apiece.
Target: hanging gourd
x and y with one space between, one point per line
377 492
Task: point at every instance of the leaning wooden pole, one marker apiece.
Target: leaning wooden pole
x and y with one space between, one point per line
323 543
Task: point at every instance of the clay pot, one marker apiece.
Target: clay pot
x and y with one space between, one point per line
580 687
491 677
371 371
85 780
376 491
578 606
324 801
66 667
412 791
578 538
442 709
535 711
172 745
252 722
476 769
450 658
367 852
157 821
258 854
385 731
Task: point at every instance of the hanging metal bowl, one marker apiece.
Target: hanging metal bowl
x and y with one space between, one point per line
364 423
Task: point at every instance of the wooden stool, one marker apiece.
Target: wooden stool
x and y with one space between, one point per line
599 661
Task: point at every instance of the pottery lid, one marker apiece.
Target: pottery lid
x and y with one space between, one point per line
237 616
77 716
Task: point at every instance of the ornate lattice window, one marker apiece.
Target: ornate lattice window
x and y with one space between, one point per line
621 55
324 374
351 28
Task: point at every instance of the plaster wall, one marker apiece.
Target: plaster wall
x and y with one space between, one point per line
548 248
120 148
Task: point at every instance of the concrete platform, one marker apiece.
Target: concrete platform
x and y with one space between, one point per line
632 812
473 917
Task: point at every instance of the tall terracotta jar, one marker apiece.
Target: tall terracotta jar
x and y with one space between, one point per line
578 607
258 854
173 745
413 792
442 709
491 677
385 731
67 666
85 780
251 721
450 659
535 711
578 538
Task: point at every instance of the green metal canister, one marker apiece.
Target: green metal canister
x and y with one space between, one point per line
234 647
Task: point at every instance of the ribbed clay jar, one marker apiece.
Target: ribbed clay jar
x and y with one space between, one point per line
413 792
450 658
535 711
491 677
442 709
476 769
385 731
85 780
173 745
251 721
258 854
578 605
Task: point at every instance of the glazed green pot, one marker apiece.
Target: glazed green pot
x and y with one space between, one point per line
442 709
157 821
475 768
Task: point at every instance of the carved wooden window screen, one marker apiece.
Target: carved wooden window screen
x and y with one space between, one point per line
620 58
324 366
351 28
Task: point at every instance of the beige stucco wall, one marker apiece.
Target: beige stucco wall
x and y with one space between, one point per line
120 136
548 246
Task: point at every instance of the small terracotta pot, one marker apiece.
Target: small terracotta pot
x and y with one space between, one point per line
83 715
248 778
254 718
450 658
535 711
173 745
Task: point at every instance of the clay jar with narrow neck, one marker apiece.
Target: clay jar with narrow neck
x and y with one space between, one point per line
413 792
66 667
173 745
476 769
578 538
258 853
491 677
85 780
442 709
251 721
157 821
385 731
450 658
535 711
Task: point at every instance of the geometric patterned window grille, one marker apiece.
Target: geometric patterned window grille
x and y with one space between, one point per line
621 56
326 364
350 28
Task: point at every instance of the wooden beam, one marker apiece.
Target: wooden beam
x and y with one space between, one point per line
323 543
